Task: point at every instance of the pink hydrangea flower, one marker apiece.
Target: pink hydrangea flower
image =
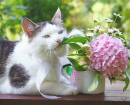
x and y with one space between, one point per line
109 56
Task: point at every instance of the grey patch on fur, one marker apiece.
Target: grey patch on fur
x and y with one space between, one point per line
6 48
39 27
44 23
18 76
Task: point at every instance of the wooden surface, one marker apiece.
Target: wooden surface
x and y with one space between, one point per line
113 95
107 98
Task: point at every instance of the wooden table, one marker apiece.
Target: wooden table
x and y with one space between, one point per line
112 96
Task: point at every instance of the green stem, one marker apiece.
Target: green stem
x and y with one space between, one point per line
107 26
114 22
93 24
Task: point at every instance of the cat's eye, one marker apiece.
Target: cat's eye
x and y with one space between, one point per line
60 32
46 36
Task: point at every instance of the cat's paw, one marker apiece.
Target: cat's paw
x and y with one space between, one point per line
71 91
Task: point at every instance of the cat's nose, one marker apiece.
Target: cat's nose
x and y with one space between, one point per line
58 41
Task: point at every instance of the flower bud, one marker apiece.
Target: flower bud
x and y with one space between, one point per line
86 67
81 59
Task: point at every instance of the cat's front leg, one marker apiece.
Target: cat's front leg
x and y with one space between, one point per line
55 88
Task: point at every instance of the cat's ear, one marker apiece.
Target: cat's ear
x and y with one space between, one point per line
28 26
57 17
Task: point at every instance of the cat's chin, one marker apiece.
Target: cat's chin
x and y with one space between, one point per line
61 50
58 47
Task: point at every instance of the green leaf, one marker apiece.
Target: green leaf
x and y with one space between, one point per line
128 73
79 54
94 85
127 81
127 84
75 35
76 65
128 46
74 46
121 36
65 39
128 68
76 39
112 79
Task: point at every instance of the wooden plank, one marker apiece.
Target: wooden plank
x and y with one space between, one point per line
107 98
113 95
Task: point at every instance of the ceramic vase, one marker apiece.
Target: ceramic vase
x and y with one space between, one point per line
85 78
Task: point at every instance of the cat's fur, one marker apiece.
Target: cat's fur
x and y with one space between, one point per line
20 61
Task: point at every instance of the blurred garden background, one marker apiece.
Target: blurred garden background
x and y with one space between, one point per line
75 14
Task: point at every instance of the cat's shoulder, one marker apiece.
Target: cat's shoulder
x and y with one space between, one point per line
7 42
7 47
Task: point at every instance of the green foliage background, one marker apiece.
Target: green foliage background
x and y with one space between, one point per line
75 14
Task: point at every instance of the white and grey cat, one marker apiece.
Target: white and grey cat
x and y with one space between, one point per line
21 60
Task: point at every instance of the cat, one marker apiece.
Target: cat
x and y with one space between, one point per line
21 60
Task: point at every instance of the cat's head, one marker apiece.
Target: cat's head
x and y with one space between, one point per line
45 36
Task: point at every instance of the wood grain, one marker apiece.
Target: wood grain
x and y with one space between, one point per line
113 95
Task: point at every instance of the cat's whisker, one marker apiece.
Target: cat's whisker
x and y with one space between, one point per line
44 52
55 52
51 56
46 56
